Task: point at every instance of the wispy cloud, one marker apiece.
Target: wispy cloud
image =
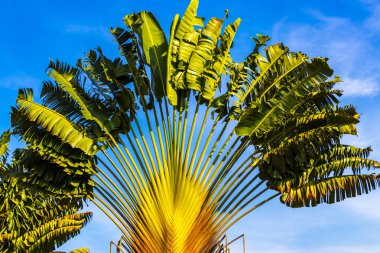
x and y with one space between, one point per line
368 132
349 45
373 21
359 86
273 228
368 206
323 229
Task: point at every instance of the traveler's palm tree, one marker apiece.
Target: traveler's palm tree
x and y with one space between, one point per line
176 142
33 221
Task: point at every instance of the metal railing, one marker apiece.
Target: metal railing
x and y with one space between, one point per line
224 244
120 246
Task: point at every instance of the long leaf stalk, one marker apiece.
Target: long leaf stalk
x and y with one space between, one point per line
200 135
110 214
183 133
211 153
124 184
227 192
230 157
129 188
189 142
196 173
152 136
227 166
223 220
180 134
119 195
114 204
182 163
129 171
215 173
242 215
144 165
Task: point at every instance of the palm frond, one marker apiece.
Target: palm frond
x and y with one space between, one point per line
4 140
52 234
80 250
154 47
55 123
330 190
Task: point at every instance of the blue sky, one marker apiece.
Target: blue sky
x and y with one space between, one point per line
345 31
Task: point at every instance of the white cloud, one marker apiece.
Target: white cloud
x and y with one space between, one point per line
346 227
334 22
349 45
367 206
368 132
373 21
359 86
326 38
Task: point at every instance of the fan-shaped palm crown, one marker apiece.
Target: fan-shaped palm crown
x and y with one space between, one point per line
175 154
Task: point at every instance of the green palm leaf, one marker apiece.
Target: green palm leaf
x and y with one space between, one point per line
257 118
55 123
4 140
154 45
217 68
51 234
80 250
32 221
330 190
